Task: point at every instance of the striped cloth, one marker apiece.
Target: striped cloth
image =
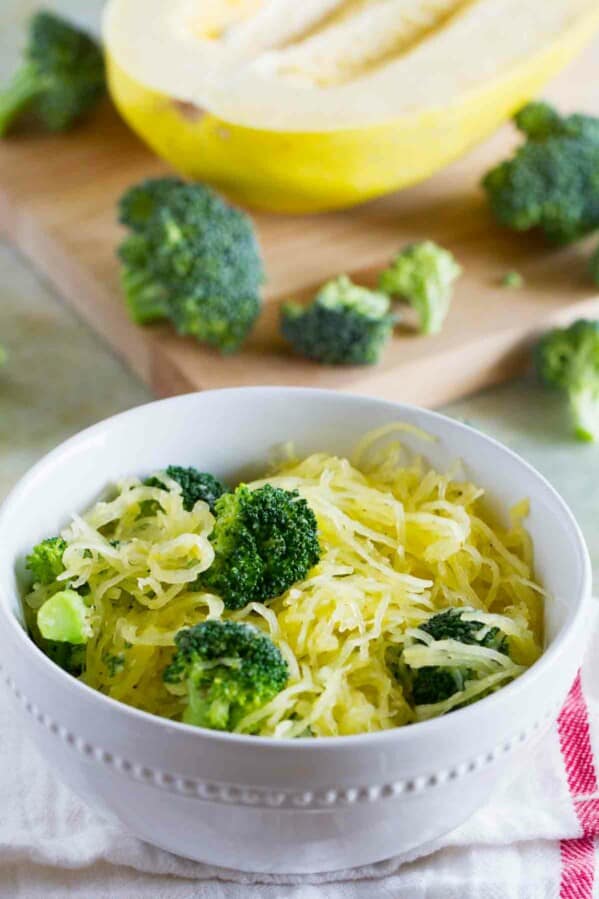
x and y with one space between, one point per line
578 855
537 839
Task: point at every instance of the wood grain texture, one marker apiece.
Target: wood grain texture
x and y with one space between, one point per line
57 202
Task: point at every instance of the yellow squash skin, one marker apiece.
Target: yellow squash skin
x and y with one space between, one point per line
312 172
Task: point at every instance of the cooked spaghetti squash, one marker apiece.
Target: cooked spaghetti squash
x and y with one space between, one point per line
399 543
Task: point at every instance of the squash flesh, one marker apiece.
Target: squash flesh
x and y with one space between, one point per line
293 157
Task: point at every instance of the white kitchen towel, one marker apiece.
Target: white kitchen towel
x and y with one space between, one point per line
537 839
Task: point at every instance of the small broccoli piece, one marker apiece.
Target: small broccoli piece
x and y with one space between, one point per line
65 618
114 663
512 279
195 485
61 78
45 560
344 325
423 274
230 669
191 258
551 182
538 120
451 625
567 359
431 684
68 656
264 540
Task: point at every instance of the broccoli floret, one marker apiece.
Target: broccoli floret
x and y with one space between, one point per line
567 359
552 181
192 259
423 274
142 201
538 120
65 618
61 78
114 663
264 541
428 685
45 560
230 669
344 325
512 279
195 485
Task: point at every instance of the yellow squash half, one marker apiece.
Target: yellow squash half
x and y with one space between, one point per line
307 105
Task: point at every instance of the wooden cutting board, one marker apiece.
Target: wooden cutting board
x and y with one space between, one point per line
57 202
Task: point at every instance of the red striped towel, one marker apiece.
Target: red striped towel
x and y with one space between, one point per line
578 855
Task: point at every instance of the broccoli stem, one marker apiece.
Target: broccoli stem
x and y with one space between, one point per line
214 714
584 403
25 86
147 301
432 313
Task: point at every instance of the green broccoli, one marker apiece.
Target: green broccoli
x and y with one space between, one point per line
423 274
68 656
538 120
428 685
195 485
229 669
191 259
512 279
61 78
65 618
344 325
567 359
61 628
264 541
45 560
552 181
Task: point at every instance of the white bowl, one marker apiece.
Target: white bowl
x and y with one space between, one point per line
259 804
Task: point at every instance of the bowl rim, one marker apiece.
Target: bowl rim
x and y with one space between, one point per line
434 726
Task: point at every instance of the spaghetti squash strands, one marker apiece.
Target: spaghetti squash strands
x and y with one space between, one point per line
400 541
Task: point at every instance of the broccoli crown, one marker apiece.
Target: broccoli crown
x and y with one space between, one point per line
344 325
512 279
191 258
552 181
61 78
451 625
138 204
45 560
423 274
538 120
230 669
431 684
568 359
264 541
195 485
